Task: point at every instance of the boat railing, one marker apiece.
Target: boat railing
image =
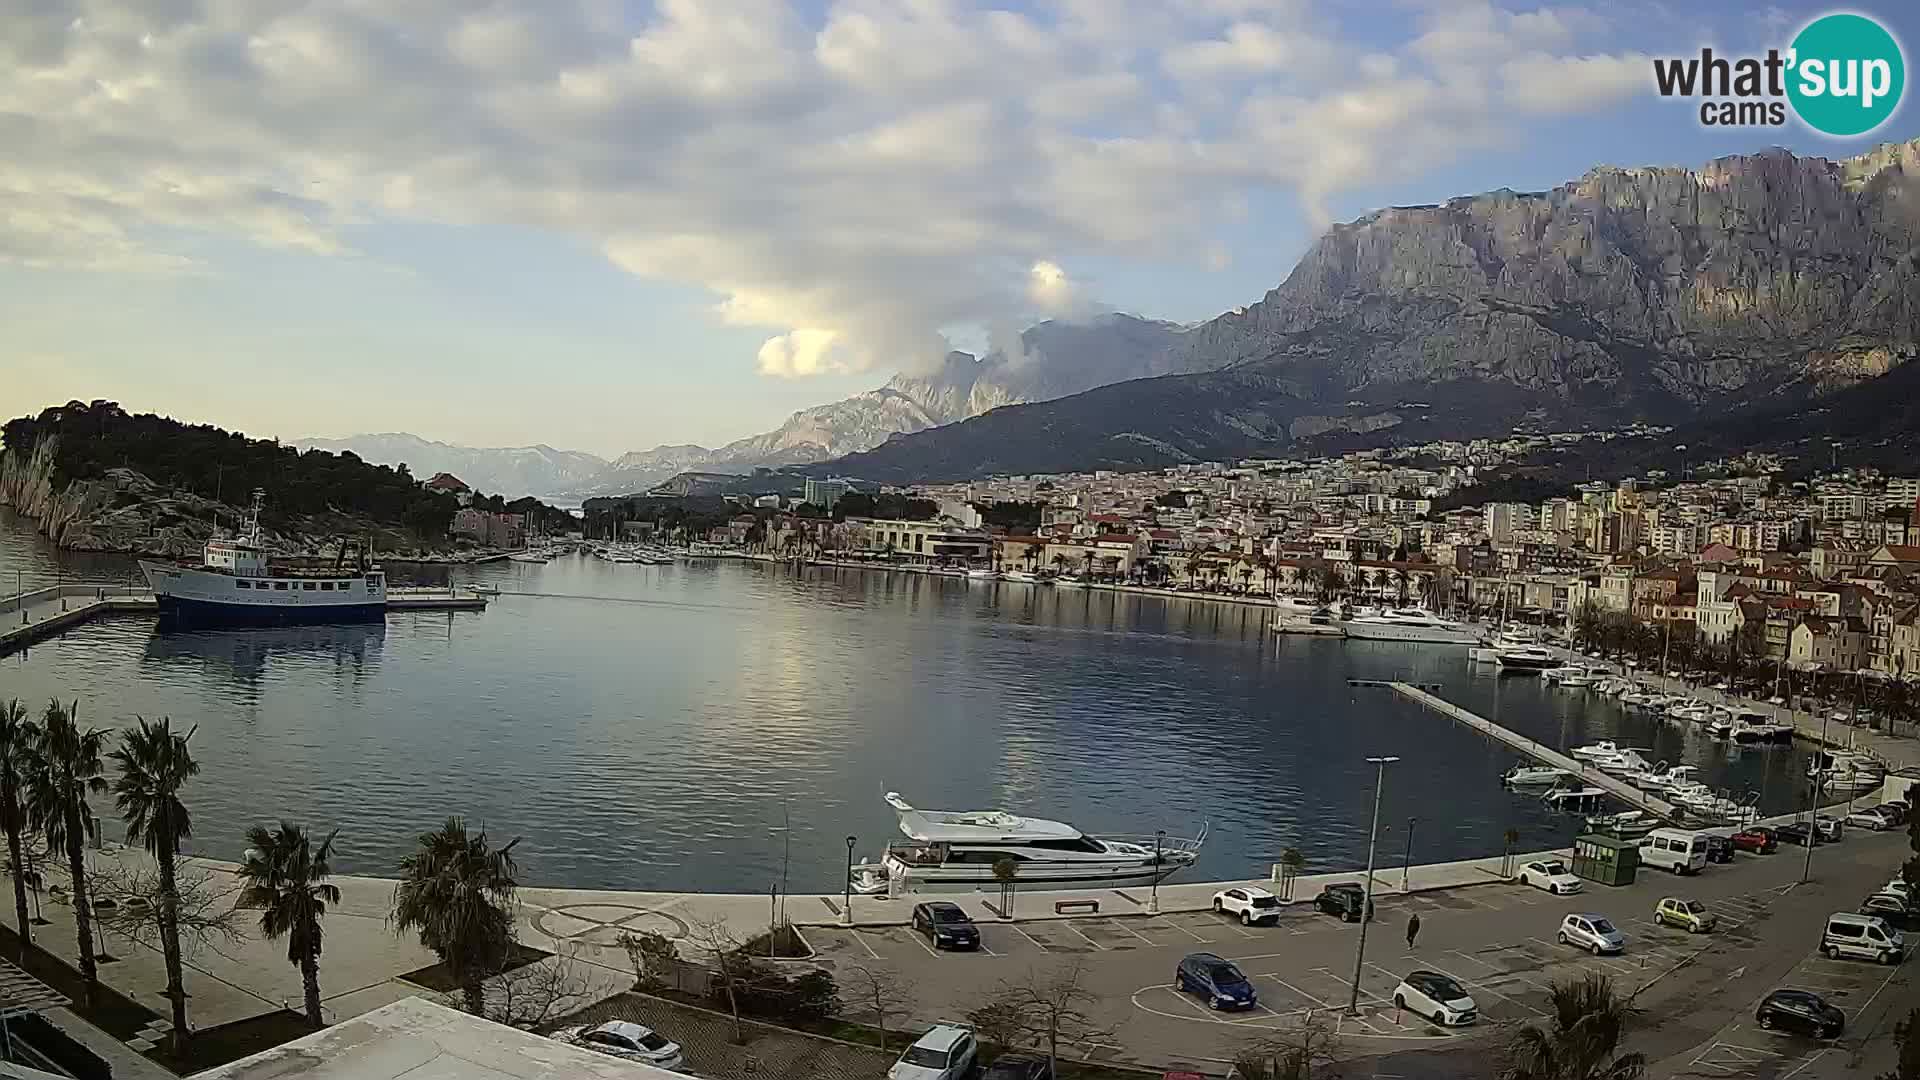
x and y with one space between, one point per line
1168 845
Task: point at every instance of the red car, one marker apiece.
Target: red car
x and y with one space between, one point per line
1758 839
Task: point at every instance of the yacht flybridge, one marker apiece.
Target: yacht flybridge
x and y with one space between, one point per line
947 849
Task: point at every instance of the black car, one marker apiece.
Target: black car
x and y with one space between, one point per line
1018 1067
1215 980
1800 1011
1796 833
946 926
1891 907
1345 900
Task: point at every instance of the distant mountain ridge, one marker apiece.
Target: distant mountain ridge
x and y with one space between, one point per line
1660 294
512 471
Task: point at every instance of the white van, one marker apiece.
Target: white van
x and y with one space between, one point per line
1675 850
1864 937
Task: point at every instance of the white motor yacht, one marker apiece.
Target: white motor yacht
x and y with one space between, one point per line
1530 775
1578 679
947 849
983 573
527 557
1524 659
1594 751
1415 625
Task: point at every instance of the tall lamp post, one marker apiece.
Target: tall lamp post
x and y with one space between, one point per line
1406 868
1153 902
1366 907
1813 799
846 901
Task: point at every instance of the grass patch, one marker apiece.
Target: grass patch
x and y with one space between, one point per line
785 944
435 977
209 1048
112 1011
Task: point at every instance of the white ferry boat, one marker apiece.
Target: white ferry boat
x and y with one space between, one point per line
237 582
1407 624
947 849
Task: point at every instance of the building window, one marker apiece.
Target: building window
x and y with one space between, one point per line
280 585
243 585
308 586
326 586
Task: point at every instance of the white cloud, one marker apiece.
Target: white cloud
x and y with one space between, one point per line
850 183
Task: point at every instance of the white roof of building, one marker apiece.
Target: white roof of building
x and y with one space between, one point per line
419 1040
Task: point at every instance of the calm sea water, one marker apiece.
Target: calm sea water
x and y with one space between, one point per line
660 727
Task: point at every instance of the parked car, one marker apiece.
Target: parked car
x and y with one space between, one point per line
945 925
1897 885
1345 900
1828 828
1689 915
1796 833
945 1052
1437 997
627 1040
1251 904
1892 907
1758 839
1595 933
1800 1011
1215 980
1872 817
1898 808
1018 1067
1862 937
1551 875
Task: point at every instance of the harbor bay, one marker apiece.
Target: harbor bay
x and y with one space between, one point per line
724 725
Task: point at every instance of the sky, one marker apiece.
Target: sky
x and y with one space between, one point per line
607 225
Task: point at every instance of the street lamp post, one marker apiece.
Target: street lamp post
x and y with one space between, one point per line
1813 800
846 901
1153 902
1366 907
1406 868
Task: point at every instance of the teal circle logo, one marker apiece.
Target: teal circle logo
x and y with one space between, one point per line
1847 75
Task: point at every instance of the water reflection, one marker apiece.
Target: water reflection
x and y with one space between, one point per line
245 655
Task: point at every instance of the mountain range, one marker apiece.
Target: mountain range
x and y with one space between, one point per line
1048 360
1754 284
1757 282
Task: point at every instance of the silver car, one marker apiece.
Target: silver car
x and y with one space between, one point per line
1592 932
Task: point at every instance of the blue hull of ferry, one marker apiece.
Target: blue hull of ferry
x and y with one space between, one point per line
206 613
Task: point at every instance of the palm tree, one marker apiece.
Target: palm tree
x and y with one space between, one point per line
1589 1020
16 762
286 879
154 765
456 892
67 770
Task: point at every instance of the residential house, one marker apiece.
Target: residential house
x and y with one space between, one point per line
1835 644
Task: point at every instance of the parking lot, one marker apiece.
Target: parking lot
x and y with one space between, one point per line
1744 1049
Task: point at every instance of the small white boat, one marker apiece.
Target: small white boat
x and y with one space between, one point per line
484 590
1524 660
1530 775
527 557
983 573
1562 798
1020 575
1626 824
1595 751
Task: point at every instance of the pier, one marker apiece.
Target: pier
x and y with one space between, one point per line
1546 755
38 614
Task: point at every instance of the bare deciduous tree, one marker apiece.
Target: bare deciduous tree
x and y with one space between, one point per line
1303 1051
730 965
882 991
126 902
530 996
652 956
1044 1008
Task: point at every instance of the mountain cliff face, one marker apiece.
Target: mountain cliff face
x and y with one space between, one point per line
510 471
1054 359
1661 294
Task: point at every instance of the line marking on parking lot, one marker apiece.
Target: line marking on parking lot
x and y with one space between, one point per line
861 937
1483 986
1189 933
1029 937
1364 992
1068 923
922 942
1130 930
1299 991
1475 960
1803 1065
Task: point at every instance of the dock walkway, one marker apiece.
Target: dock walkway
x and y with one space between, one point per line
1546 755
38 614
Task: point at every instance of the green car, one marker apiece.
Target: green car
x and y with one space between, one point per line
1689 915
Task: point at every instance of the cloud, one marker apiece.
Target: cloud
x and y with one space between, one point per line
849 179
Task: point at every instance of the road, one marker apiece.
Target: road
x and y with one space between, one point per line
1697 992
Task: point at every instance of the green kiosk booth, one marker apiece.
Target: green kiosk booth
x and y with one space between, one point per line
1608 860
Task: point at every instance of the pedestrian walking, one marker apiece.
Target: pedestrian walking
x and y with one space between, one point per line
1413 929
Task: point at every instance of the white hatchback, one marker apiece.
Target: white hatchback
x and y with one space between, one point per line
1551 875
1436 996
1251 904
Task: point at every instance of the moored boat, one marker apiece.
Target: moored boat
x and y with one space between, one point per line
238 582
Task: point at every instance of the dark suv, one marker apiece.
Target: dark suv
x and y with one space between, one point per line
1345 900
945 925
1216 980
